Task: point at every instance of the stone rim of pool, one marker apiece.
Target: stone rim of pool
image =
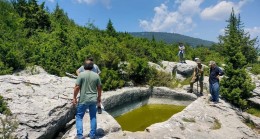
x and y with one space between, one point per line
122 102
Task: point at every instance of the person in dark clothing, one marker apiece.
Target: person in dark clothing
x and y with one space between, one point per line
214 74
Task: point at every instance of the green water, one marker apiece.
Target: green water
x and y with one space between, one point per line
140 118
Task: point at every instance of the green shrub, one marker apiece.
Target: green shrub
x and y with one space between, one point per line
3 107
254 111
159 78
139 71
256 68
111 79
8 127
206 71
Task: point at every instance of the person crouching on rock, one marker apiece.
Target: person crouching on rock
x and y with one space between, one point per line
214 74
89 85
197 77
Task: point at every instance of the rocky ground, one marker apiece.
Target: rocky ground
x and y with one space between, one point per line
201 119
42 105
40 102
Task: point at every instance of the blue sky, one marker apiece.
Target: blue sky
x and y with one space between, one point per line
203 19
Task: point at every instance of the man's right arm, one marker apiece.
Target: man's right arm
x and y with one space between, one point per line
77 72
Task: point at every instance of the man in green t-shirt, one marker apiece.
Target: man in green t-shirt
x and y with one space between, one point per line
89 85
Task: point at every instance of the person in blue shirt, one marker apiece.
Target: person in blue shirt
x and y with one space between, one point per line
95 67
214 74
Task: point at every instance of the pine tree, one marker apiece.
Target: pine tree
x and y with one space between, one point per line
110 29
236 86
35 16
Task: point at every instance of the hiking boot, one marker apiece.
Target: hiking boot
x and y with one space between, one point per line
99 110
190 91
91 137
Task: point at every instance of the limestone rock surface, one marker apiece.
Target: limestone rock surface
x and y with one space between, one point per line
41 102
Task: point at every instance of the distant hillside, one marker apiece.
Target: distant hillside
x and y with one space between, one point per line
172 38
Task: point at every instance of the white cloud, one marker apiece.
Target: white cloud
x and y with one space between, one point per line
106 3
254 32
222 10
190 7
179 21
222 31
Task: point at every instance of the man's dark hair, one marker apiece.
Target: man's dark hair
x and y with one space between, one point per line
89 58
88 66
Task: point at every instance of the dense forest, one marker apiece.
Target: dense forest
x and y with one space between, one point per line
31 35
170 38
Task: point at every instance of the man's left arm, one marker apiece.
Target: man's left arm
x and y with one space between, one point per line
76 90
75 94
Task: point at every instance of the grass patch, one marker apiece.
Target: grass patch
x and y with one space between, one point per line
27 84
160 78
191 120
250 124
8 90
216 125
254 111
3 107
178 83
255 68
8 125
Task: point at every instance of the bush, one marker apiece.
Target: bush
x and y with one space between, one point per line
111 79
3 107
8 127
159 78
7 124
139 71
255 69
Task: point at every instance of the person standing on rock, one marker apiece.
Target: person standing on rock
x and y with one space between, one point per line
95 67
198 76
214 74
181 53
89 85
96 70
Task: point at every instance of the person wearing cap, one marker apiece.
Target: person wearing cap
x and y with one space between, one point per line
95 67
214 74
197 76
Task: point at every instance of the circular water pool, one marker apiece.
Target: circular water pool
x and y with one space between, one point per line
142 117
